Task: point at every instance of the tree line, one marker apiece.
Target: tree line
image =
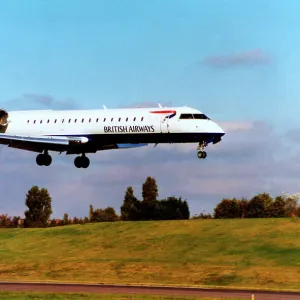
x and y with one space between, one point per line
262 205
39 204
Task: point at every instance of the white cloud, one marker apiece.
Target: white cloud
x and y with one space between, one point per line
235 126
246 58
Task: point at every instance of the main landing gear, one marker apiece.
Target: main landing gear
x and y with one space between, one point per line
81 161
44 159
201 153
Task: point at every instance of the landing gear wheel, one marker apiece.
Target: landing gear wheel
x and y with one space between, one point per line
44 159
85 162
40 159
81 162
47 160
77 162
201 154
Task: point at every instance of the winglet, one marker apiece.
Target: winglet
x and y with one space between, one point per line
159 105
104 107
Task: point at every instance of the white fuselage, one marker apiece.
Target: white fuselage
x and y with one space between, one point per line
108 121
88 131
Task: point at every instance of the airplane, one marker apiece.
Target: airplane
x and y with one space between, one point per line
89 131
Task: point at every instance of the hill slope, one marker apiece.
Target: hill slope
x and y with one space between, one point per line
262 253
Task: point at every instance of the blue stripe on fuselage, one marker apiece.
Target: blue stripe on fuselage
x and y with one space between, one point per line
131 145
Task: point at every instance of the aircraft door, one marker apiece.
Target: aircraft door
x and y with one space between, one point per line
164 124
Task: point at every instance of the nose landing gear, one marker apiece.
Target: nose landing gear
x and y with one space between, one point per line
201 153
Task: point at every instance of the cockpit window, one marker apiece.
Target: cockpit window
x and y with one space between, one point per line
201 116
194 116
186 116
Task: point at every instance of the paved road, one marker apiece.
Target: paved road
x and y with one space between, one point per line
119 289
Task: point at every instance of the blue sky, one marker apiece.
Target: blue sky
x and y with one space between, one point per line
119 52
89 53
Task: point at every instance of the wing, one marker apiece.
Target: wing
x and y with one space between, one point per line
38 143
68 144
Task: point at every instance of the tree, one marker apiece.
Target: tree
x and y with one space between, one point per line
66 219
80 221
228 208
150 208
268 205
105 215
291 203
39 206
185 210
5 221
16 220
150 190
128 204
243 207
111 214
91 214
278 207
259 205
53 222
171 208
298 212
149 194
75 220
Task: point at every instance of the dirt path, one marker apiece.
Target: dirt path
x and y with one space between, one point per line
119 289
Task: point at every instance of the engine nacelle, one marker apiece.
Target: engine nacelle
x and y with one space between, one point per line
3 120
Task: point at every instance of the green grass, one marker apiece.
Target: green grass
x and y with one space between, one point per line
251 253
73 296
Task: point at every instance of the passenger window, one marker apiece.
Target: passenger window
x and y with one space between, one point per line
126 119
142 118
186 116
48 121
112 119
97 119
75 120
82 120
41 122
90 120
119 119
55 121
104 120
34 122
69 120
134 118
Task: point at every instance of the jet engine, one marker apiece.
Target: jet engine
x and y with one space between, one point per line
3 120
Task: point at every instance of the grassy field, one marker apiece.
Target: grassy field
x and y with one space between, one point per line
40 296
255 253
